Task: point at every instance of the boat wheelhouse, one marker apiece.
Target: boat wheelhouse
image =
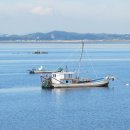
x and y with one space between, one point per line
63 77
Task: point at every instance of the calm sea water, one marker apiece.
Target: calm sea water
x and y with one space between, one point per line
25 106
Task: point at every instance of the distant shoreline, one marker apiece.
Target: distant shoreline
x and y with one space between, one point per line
120 45
63 41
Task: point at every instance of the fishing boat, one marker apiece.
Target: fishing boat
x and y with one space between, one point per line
35 71
68 79
40 52
40 70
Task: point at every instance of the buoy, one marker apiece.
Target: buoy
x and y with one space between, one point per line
127 84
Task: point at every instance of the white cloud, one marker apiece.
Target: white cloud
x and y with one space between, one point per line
42 10
74 15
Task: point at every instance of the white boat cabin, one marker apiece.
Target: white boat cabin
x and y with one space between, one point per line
63 77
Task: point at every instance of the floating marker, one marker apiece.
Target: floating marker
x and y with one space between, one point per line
127 84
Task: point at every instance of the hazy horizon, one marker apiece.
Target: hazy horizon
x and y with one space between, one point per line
62 31
9 34
86 16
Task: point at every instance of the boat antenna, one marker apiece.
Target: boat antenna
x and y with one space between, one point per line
80 59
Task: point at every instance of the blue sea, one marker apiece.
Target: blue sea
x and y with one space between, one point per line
25 106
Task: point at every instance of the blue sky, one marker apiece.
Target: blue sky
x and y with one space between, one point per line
84 16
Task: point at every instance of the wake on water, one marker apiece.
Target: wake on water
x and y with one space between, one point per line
19 90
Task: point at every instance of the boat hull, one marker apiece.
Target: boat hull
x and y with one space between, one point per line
39 72
89 84
102 83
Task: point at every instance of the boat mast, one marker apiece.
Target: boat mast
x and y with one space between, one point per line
80 59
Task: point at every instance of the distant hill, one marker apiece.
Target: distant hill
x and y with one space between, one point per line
62 35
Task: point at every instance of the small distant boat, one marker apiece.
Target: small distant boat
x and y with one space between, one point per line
42 71
40 52
35 71
68 79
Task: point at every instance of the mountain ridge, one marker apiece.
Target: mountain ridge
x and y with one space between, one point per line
63 35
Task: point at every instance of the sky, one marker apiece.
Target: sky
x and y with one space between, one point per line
82 16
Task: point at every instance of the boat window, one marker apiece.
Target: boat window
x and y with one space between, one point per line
66 81
54 75
70 75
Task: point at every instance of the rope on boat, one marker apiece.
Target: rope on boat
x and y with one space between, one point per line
124 82
97 79
58 80
107 78
66 60
91 64
80 59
